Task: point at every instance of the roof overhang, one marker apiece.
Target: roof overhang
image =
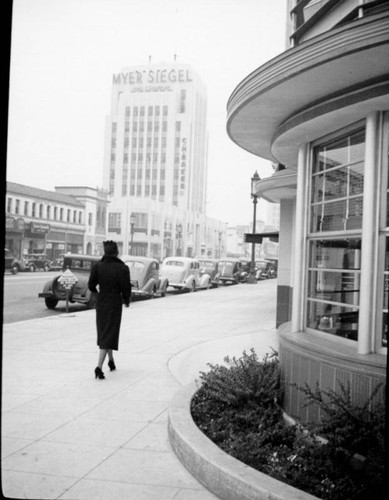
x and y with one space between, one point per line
280 186
326 83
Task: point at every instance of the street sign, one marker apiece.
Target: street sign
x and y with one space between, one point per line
67 279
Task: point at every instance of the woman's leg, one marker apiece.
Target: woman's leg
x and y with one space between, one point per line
111 362
102 354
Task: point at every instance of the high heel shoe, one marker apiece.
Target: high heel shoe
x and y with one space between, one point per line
99 373
111 364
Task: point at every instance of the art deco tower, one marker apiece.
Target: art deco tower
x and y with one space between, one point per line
155 164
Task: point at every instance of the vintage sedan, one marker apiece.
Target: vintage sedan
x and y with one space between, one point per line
79 265
210 267
230 271
11 263
183 273
37 261
265 269
145 279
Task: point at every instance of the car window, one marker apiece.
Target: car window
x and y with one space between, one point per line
134 264
77 264
174 263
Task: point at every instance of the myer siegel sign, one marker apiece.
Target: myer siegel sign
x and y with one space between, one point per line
159 76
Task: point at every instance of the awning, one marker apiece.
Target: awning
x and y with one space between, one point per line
258 237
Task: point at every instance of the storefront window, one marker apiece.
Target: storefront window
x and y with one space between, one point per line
335 247
337 185
333 286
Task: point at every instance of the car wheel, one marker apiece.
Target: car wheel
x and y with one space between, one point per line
32 268
209 284
193 287
50 302
15 269
47 267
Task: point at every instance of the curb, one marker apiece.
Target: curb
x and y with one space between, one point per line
223 475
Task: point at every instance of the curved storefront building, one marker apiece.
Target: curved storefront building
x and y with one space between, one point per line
320 109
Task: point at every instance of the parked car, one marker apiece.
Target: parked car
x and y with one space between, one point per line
210 267
230 271
145 279
183 273
57 264
35 261
265 269
80 265
11 263
245 270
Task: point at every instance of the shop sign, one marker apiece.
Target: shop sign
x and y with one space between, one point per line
39 228
13 224
153 76
183 167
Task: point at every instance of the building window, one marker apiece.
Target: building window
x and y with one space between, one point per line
41 211
33 210
17 207
26 207
55 213
114 222
90 219
9 205
335 237
69 216
182 101
61 214
80 217
48 212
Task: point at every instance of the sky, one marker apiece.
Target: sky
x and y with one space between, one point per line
63 56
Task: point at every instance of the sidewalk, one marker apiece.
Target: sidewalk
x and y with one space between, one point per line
66 435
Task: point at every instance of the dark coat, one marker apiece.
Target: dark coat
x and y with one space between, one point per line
113 278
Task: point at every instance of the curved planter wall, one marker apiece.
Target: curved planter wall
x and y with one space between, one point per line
222 474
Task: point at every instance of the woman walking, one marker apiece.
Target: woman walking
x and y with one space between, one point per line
110 280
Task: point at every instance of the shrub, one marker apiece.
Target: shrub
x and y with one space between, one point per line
238 406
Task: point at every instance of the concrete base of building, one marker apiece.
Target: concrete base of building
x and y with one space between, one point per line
220 473
329 361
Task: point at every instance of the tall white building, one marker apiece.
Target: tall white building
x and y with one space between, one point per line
155 165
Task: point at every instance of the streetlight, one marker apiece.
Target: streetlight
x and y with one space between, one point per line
132 225
220 239
179 235
251 278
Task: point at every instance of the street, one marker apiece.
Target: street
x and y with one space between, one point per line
21 302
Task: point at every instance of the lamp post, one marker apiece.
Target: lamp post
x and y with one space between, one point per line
251 278
220 239
179 235
132 226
